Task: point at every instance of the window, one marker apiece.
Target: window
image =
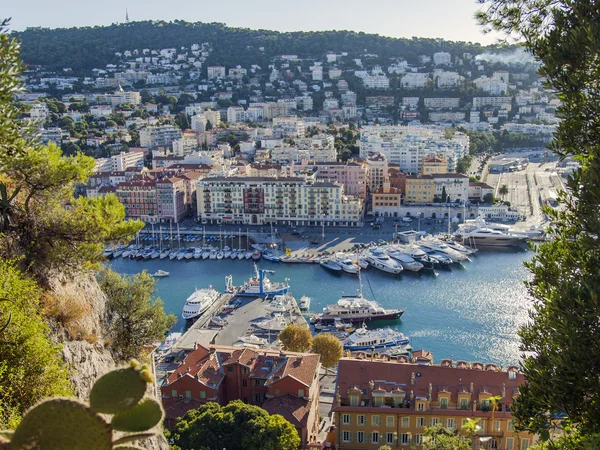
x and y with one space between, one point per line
418 439
300 392
188 394
230 369
405 422
510 444
257 398
434 421
244 370
360 436
405 438
346 419
202 394
174 393
510 426
420 422
420 406
389 421
257 382
389 438
375 437
375 421
496 425
464 403
524 444
444 403
360 420
485 405
244 383
450 424
346 436
354 400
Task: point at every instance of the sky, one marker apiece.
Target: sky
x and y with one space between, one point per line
447 19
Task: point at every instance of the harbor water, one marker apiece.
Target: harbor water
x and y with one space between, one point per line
470 312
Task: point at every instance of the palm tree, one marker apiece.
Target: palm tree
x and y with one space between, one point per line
7 208
494 402
503 190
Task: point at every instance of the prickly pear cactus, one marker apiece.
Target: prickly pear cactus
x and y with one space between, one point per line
62 423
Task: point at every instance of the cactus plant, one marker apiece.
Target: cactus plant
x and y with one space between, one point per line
62 423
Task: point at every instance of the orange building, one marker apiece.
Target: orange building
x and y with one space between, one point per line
434 164
281 383
391 401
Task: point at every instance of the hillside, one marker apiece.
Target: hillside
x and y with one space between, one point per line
85 48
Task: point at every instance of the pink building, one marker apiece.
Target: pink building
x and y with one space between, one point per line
353 176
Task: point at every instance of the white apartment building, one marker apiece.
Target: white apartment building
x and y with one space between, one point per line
498 212
442 59
448 79
125 160
198 122
291 201
39 112
529 128
496 102
414 80
185 146
317 73
376 81
376 170
335 73
214 117
349 111
408 145
288 126
442 102
491 86
160 136
103 165
447 116
306 103
456 186
331 103
121 97
238 73
410 102
255 113
236 114
101 111
215 72
348 98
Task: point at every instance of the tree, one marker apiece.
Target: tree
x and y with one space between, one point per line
444 194
488 198
182 121
561 340
329 347
236 426
439 438
296 338
8 208
503 190
135 318
208 126
463 164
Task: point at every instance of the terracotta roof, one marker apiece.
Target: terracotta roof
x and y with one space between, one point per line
393 191
449 175
480 184
417 378
302 368
294 409
106 189
175 407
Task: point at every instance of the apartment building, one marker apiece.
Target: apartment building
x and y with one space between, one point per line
171 199
187 145
410 102
447 116
159 136
478 190
126 160
386 201
376 81
408 145
419 189
352 176
284 200
434 164
215 72
442 59
414 80
288 126
377 168
496 102
442 102
448 79
236 114
455 185
121 97
391 401
139 199
283 383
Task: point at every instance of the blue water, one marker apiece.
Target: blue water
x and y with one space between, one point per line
471 312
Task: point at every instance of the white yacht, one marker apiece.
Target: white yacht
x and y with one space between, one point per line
281 303
440 247
248 254
155 254
277 323
241 254
476 236
406 261
347 265
173 254
254 340
199 302
304 303
219 255
418 255
380 260
161 273
197 253
330 265
357 309
213 254
164 254
364 339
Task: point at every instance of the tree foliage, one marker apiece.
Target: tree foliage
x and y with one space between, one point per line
31 366
329 347
439 438
296 338
562 340
503 190
135 317
236 426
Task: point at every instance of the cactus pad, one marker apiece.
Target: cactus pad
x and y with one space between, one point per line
61 423
141 417
128 447
117 391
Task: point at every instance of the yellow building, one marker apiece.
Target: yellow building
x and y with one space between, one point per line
434 164
386 201
390 402
419 189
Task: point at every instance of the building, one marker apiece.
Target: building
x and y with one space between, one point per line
442 59
478 191
283 200
125 160
187 145
454 185
496 102
386 201
377 169
280 382
408 145
121 97
236 114
171 199
419 189
352 176
441 102
434 164
414 80
498 211
159 136
139 199
215 72
390 402
288 126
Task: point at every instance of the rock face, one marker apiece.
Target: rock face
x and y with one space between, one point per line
89 360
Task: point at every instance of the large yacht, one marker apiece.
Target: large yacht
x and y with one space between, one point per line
440 247
364 339
260 285
199 302
380 260
407 261
477 236
347 265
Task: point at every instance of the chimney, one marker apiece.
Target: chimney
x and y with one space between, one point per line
412 379
386 184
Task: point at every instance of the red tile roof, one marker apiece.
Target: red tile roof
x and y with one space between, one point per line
294 409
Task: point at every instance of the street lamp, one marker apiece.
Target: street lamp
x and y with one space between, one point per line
419 223
323 229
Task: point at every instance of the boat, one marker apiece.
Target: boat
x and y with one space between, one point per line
248 255
338 325
254 340
438 259
169 341
331 265
347 265
440 247
365 339
356 309
189 253
108 253
256 255
118 251
197 303
418 255
304 303
277 323
205 254
476 235
460 248
173 255
241 254
270 257
380 260
197 253
280 303
164 254
155 254
233 254
161 273
217 321
226 252
219 255
260 286
406 261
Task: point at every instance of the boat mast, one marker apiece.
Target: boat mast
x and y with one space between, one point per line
360 294
178 236
240 239
171 230
153 234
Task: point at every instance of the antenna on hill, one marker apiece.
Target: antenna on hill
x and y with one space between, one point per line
126 15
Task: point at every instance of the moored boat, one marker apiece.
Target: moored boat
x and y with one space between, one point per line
331 265
304 303
365 339
161 273
197 303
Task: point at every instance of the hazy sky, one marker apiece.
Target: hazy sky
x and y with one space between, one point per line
448 19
